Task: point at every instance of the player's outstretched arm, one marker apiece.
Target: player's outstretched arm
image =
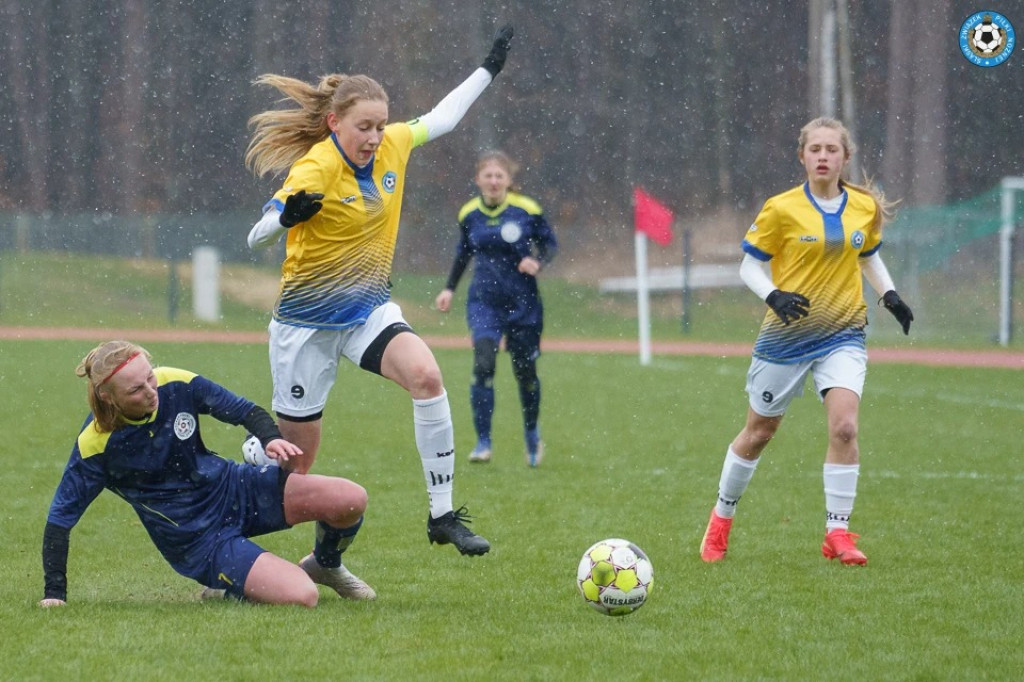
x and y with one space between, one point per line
55 565
449 111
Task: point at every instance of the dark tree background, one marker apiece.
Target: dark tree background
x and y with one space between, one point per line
138 107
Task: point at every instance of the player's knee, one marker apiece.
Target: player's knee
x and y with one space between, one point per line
305 594
844 431
483 374
355 499
348 502
525 371
485 353
426 379
761 432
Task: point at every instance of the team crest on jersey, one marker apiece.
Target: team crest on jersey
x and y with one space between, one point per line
389 181
857 240
184 425
511 232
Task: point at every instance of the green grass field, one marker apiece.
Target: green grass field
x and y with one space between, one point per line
951 311
632 452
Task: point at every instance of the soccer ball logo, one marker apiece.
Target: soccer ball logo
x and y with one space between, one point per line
615 577
987 38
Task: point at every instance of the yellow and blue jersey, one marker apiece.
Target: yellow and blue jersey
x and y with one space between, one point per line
338 263
159 465
499 238
814 253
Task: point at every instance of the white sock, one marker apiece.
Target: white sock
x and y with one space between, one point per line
435 439
840 492
736 475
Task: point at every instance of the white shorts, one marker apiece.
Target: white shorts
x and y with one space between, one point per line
772 386
304 361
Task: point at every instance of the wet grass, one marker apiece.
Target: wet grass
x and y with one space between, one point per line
632 452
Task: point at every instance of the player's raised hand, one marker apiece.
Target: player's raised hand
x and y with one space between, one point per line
495 60
300 207
900 310
788 305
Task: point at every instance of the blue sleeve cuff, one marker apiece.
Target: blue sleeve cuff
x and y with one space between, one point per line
872 252
755 252
274 203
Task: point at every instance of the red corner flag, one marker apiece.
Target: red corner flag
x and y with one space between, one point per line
652 217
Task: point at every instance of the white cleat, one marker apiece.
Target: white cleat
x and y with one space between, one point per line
338 579
480 455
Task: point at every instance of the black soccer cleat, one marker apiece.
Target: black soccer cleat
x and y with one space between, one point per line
449 529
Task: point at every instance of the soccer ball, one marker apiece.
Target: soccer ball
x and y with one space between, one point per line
615 577
987 38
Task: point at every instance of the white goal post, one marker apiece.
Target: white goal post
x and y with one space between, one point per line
1008 221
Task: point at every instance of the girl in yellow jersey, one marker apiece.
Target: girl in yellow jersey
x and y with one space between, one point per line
819 239
340 206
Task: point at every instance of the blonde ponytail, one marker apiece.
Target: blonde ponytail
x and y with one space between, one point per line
282 136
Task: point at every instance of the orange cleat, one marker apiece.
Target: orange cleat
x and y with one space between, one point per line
842 544
716 538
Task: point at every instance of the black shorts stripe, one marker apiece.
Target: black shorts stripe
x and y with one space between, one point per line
375 351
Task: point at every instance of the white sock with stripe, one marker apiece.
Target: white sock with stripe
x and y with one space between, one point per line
840 492
736 475
435 439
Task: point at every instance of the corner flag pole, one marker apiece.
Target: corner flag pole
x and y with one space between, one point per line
643 302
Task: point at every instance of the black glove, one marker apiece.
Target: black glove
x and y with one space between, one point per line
499 50
300 207
788 305
900 310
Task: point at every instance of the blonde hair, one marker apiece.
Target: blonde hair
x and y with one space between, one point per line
884 208
281 136
499 157
101 363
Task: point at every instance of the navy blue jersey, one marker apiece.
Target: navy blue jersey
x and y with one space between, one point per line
499 238
159 465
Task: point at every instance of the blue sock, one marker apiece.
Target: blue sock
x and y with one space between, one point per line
532 437
331 542
481 399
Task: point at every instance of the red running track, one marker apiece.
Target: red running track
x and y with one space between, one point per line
934 357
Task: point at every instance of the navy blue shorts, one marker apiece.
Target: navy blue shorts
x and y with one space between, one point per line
252 504
521 329
490 320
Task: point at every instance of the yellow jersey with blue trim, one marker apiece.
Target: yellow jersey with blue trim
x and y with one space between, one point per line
815 253
338 263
